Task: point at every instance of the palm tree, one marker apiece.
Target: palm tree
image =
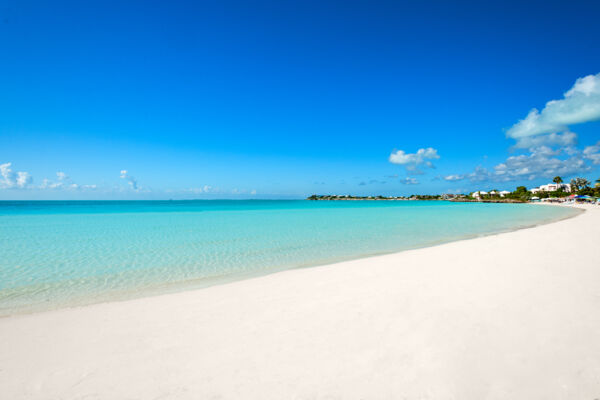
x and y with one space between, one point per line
558 180
597 182
583 183
574 185
578 184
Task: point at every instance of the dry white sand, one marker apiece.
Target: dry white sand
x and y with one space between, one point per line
511 316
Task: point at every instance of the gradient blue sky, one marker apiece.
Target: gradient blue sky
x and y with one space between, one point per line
219 99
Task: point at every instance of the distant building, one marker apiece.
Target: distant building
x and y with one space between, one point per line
479 193
504 193
552 187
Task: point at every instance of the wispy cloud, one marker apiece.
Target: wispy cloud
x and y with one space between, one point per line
409 181
371 182
63 182
207 189
130 180
592 153
454 177
565 139
542 163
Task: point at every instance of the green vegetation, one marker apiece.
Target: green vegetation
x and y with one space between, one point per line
579 183
580 186
349 197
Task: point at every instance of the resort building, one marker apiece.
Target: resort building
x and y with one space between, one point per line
480 193
552 187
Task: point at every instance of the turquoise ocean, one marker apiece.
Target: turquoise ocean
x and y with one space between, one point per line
64 253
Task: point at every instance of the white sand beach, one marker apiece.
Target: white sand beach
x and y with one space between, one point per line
509 316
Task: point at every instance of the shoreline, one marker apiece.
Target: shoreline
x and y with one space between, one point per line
511 315
128 294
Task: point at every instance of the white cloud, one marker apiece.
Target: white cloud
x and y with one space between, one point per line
411 160
454 177
48 184
579 104
194 190
480 174
542 163
10 179
587 86
409 181
403 158
204 189
546 136
564 139
23 179
593 153
62 178
130 180
63 182
253 192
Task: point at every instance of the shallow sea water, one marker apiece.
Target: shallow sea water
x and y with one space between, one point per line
55 254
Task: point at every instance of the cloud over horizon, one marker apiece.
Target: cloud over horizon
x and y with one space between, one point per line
130 180
411 161
546 137
13 180
541 163
23 180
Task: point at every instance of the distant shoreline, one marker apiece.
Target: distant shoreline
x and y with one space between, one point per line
509 201
455 200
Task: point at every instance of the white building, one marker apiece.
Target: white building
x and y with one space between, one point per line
552 187
480 193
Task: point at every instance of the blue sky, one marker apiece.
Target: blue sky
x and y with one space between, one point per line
224 99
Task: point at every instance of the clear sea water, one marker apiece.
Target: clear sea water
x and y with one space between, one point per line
62 253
